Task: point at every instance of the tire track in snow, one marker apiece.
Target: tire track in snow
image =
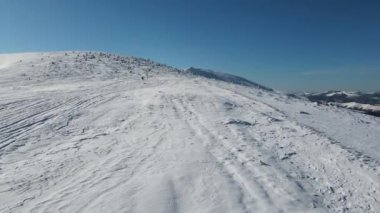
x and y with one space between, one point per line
209 141
322 167
257 180
77 106
149 144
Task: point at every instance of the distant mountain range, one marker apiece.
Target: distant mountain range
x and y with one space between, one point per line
369 103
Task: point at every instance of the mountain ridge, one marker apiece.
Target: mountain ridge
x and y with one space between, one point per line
224 77
366 102
126 63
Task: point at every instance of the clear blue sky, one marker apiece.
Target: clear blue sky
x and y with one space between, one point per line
290 45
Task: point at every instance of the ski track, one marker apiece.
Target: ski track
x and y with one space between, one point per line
168 145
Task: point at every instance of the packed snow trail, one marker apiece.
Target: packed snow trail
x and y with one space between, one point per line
173 143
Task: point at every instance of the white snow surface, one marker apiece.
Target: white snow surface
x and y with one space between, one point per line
81 132
354 105
349 94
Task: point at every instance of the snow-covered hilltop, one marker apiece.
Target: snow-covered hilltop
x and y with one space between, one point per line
96 132
76 65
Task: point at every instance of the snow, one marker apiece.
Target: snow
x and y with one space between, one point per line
90 136
349 94
224 77
354 105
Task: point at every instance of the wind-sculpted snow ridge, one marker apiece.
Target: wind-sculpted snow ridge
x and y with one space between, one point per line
103 142
224 77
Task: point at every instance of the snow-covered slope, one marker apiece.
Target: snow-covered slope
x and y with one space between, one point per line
82 132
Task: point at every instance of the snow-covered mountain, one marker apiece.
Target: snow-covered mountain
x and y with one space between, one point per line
368 103
96 132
